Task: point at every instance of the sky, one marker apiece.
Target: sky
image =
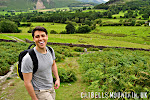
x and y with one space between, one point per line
106 0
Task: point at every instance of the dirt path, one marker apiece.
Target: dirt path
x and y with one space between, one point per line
15 38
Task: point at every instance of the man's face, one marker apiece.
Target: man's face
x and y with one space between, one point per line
40 39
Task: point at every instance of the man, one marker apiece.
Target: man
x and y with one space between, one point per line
40 84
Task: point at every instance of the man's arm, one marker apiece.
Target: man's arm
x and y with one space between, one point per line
27 82
55 72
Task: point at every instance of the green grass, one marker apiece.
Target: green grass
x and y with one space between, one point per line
93 39
5 37
120 36
49 26
134 34
96 10
121 13
109 20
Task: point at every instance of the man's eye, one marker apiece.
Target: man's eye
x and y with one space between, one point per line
36 36
43 35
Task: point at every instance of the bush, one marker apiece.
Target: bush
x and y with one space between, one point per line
116 70
66 75
59 57
78 49
93 49
53 32
70 29
88 22
63 32
83 29
9 55
8 27
137 24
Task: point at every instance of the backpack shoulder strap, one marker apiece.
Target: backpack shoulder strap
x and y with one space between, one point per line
50 50
34 59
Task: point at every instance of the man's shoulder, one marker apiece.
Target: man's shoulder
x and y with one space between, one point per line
50 48
27 58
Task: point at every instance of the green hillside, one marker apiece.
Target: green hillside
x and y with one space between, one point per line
16 4
114 2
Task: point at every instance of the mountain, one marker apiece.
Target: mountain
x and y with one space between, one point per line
34 4
17 4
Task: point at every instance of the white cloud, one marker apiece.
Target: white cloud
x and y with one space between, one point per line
106 0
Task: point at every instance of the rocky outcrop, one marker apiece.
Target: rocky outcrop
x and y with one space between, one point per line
40 5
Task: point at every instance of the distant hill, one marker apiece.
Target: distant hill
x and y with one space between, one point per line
93 1
35 4
16 4
114 2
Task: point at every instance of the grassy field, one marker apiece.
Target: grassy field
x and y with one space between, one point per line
123 36
49 26
92 39
120 14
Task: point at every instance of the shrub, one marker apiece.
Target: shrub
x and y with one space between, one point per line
66 75
59 57
78 49
93 26
63 32
70 28
88 22
9 55
53 32
98 21
83 29
137 24
93 49
8 27
116 70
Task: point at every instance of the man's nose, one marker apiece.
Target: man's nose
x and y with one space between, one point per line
40 38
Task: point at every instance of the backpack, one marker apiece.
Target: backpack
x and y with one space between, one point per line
33 57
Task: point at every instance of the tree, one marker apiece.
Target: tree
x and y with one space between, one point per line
84 8
109 14
70 28
145 16
88 22
98 21
8 27
23 19
83 29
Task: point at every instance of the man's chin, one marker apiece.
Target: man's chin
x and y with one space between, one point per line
41 47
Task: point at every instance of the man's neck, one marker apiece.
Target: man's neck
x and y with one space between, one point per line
41 50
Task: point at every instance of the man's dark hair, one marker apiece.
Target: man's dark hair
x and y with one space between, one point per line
38 28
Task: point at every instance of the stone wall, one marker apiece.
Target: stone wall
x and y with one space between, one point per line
7 40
